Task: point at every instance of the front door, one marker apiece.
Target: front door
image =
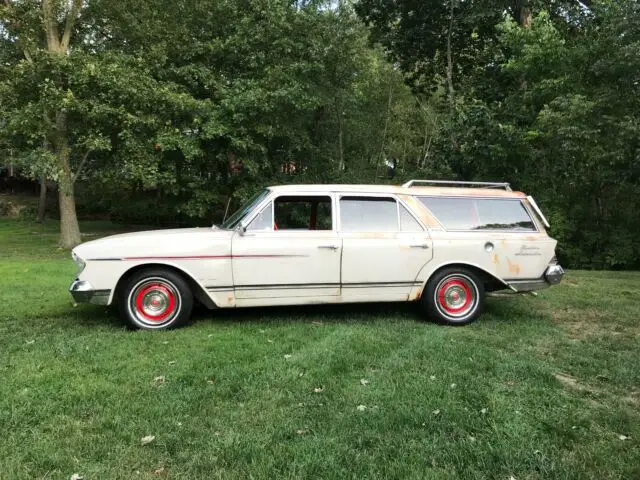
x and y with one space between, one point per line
289 251
384 248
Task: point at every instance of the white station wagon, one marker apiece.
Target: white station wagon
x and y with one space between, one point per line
442 244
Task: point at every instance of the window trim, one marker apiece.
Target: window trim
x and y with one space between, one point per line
469 230
273 196
340 195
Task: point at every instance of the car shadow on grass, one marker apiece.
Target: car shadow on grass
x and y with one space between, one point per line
496 310
326 313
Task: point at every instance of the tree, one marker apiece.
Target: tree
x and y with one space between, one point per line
57 21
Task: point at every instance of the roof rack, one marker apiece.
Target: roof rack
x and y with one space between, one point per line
454 183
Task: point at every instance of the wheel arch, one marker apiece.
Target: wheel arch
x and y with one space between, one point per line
198 290
491 281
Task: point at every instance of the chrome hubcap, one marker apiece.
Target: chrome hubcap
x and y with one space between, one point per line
455 296
154 302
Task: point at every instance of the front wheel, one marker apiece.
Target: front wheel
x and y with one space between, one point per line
454 296
155 299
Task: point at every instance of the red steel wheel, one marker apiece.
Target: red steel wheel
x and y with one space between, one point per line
155 299
454 296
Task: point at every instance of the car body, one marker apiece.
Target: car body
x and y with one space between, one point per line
310 244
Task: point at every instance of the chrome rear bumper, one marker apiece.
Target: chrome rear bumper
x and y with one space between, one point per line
552 276
83 292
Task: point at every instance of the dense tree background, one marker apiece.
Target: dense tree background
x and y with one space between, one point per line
174 112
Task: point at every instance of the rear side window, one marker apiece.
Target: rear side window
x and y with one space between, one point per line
479 213
368 214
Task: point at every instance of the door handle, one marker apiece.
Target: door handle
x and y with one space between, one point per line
330 247
420 245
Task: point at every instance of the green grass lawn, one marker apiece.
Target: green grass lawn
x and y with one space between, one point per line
545 387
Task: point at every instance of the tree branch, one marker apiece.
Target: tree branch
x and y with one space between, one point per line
79 170
72 16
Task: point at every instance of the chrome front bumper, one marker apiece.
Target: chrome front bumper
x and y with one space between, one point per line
552 276
83 292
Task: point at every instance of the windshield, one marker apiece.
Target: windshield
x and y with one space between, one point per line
237 217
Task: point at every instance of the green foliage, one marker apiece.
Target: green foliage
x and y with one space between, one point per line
176 112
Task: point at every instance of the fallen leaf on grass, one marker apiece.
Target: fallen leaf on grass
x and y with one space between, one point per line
624 437
147 440
172 362
318 389
159 471
211 382
287 356
269 340
30 342
317 324
436 412
77 476
160 380
364 382
453 385
432 377
302 431
484 410
361 408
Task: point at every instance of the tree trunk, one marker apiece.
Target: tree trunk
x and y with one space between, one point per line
524 16
42 202
69 228
450 59
341 165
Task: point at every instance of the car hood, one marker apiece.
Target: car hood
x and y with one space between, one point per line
179 242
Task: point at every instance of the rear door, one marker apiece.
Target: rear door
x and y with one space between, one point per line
384 247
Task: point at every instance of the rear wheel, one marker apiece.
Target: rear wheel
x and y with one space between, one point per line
454 296
155 299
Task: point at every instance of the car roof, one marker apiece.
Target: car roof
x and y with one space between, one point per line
399 190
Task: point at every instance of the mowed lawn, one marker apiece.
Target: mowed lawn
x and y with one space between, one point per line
539 388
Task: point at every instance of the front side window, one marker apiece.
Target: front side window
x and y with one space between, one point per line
295 213
368 214
479 213
302 213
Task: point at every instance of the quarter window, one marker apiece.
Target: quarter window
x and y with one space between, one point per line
407 222
479 213
368 214
264 220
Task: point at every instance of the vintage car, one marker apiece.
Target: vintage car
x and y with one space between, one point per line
442 244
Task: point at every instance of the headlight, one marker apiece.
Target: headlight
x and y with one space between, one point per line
78 261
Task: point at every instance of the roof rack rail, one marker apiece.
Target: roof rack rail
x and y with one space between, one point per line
454 183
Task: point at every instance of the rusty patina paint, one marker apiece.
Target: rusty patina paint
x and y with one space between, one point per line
513 267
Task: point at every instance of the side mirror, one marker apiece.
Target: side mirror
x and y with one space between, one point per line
240 228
